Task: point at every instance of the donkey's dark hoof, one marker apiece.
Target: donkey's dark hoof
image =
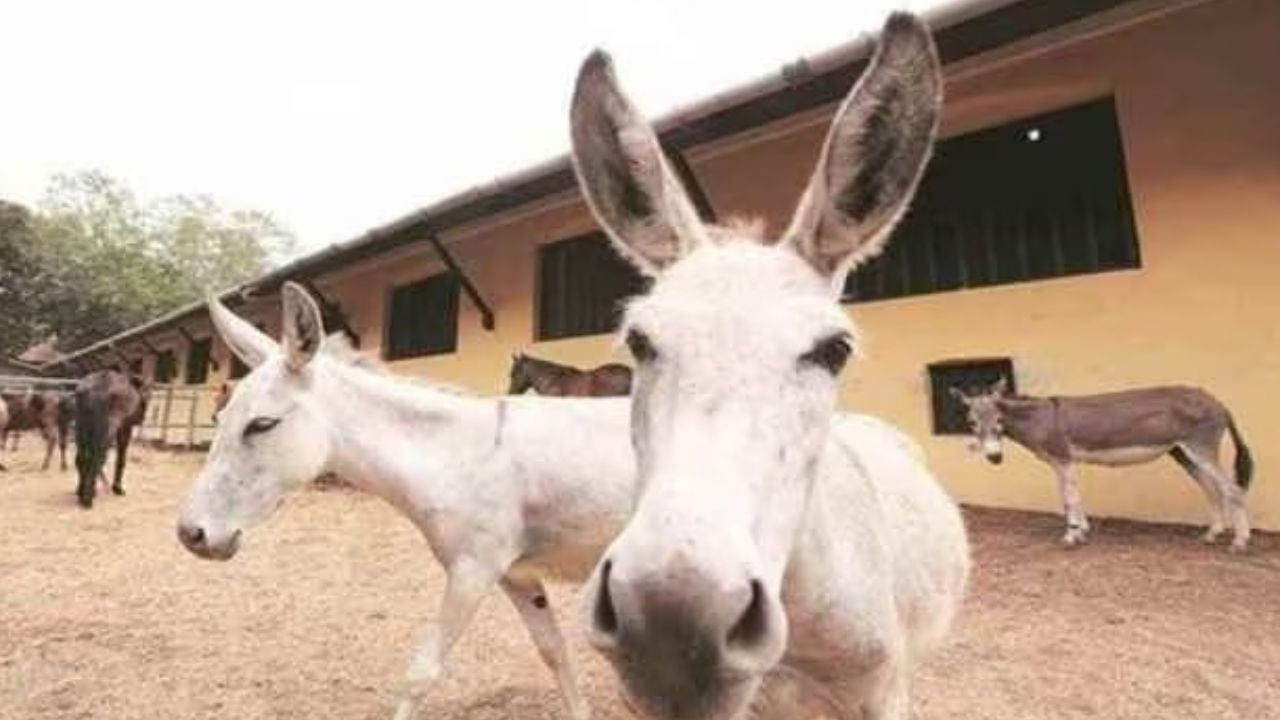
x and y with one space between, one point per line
85 502
117 490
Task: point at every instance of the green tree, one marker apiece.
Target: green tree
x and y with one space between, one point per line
100 261
18 269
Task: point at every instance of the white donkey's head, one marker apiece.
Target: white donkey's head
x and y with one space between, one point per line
272 435
738 347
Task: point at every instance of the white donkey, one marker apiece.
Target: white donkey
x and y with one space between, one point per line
765 552
505 490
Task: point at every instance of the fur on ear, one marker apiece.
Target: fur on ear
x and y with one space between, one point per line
244 340
1000 386
303 327
624 174
874 155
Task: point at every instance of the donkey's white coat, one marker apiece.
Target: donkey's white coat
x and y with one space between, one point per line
507 491
775 544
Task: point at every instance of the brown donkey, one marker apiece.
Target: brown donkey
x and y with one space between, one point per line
50 413
1121 428
109 404
548 378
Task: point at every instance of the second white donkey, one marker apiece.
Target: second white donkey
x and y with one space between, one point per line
505 490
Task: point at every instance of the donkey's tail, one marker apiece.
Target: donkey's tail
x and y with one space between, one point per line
1244 459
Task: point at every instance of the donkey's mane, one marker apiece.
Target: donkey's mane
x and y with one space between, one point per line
737 228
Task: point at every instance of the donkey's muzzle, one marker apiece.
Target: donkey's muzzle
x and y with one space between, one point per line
195 539
685 647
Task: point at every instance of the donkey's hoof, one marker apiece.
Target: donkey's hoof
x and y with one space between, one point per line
1071 541
1239 548
1211 536
117 491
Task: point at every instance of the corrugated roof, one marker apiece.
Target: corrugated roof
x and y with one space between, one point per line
962 28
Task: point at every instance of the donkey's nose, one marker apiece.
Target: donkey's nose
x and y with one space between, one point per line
680 617
192 538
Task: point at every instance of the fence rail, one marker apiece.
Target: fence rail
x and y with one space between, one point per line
179 416
22 383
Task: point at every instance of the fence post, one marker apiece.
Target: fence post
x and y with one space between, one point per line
191 418
165 408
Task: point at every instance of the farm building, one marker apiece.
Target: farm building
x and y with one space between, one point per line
1101 213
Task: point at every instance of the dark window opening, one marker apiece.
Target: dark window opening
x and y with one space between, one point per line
423 318
582 283
1039 198
166 366
238 368
969 376
198 361
135 367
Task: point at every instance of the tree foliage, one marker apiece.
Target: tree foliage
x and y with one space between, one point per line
92 260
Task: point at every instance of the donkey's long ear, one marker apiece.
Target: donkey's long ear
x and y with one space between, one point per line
624 175
874 154
303 328
1000 387
247 342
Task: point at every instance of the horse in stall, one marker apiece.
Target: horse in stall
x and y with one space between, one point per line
784 560
1116 429
549 378
49 413
109 404
504 490
221 399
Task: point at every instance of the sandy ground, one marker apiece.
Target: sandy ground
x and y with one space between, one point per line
103 615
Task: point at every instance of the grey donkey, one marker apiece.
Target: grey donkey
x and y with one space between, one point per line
1120 428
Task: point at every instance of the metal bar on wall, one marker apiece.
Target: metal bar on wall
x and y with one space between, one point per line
698 194
486 313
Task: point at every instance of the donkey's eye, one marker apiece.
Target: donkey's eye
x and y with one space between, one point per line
259 425
641 347
830 353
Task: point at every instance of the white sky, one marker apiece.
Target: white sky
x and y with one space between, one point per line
338 117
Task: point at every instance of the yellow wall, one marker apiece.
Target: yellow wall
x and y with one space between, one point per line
1200 115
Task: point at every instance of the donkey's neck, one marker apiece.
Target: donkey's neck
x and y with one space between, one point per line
398 439
1023 416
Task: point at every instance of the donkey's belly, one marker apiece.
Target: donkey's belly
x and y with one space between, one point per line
1118 456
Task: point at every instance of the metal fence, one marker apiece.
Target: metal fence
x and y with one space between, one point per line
178 416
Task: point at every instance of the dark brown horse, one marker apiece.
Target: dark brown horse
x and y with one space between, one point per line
109 404
548 378
49 413
221 399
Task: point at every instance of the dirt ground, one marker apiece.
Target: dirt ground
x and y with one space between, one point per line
103 615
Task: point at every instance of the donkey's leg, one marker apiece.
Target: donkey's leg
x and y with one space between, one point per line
530 599
49 440
469 581
1072 506
1233 500
1210 488
123 436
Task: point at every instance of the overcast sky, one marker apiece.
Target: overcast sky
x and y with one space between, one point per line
338 117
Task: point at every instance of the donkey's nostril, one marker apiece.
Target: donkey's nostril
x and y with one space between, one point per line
752 628
604 615
191 536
